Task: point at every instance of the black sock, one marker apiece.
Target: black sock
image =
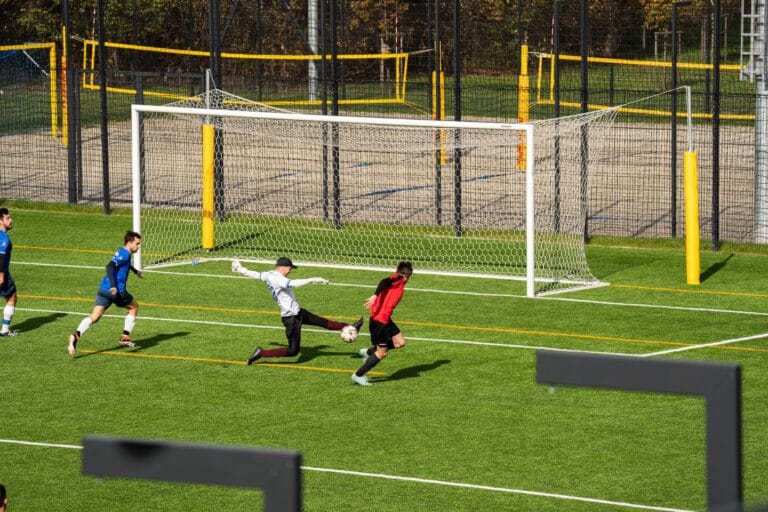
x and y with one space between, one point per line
371 350
367 365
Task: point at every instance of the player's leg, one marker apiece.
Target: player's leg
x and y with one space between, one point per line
98 311
130 320
292 333
310 318
8 311
381 337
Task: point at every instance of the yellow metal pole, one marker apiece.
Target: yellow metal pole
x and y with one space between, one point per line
443 158
64 109
54 99
523 100
208 189
397 78
692 257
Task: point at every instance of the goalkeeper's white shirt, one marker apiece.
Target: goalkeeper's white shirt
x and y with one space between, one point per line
281 289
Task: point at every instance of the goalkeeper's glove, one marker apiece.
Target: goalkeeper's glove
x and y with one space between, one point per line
236 266
318 280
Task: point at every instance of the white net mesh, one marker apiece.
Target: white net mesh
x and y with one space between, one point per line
368 193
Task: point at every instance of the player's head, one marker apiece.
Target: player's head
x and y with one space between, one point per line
132 241
3 497
284 265
405 269
5 219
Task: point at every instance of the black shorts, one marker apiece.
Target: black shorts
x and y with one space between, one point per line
106 299
382 334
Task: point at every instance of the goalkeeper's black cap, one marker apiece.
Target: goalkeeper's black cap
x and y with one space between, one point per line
285 262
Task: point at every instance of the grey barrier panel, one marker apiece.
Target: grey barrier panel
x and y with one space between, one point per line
276 472
718 383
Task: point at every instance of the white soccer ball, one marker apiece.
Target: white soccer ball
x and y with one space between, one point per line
348 334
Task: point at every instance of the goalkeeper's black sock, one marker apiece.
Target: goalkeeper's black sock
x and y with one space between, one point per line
367 365
371 350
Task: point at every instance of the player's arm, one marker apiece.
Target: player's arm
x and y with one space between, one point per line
112 276
383 285
295 283
240 269
2 265
138 272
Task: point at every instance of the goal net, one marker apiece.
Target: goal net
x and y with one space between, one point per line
465 198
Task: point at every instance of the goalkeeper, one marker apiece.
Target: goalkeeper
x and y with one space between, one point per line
292 315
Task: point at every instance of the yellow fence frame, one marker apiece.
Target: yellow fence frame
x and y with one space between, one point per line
401 70
625 62
52 63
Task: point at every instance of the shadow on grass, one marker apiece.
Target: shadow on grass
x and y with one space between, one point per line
310 353
714 269
30 324
140 344
416 371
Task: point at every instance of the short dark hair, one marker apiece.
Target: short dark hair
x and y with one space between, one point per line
2 487
130 236
405 268
4 211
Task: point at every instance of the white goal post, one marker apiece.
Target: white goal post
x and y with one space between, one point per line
494 200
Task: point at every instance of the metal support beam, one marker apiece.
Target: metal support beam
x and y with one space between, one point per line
719 384
276 472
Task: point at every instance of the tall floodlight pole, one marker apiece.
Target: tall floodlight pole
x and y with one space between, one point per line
673 118
716 132
584 108
218 138
312 37
457 188
761 126
103 101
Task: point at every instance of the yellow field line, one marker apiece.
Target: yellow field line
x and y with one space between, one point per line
511 330
64 249
678 290
221 361
505 330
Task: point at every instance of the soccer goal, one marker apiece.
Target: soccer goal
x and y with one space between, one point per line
496 200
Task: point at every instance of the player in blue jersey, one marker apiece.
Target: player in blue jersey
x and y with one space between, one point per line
7 286
113 291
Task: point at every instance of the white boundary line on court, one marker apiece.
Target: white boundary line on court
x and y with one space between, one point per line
320 331
420 481
705 345
448 292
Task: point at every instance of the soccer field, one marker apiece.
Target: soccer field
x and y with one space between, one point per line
454 421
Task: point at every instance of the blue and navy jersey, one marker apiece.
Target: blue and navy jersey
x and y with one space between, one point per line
6 247
122 261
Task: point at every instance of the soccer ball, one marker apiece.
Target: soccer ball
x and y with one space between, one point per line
348 334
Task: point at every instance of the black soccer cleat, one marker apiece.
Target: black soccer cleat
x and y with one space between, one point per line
357 325
255 356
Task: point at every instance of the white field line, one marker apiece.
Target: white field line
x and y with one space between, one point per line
421 481
705 345
319 331
448 292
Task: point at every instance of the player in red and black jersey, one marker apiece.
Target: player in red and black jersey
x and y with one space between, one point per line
385 334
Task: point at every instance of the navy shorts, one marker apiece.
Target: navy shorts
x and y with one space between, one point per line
106 299
382 334
8 288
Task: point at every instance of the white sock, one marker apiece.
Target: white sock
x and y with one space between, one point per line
85 324
8 312
130 321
